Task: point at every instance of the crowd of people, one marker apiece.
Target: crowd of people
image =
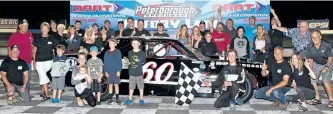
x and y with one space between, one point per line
311 60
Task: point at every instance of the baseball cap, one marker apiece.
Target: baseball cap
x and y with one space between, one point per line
13 47
103 27
107 21
78 21
23 21
202 22
93 48
160 24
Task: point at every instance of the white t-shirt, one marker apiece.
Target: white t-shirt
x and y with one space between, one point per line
260 44
80 87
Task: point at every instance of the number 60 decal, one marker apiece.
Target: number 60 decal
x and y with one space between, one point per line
148 70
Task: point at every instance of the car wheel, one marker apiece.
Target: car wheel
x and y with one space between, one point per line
248 90
105 90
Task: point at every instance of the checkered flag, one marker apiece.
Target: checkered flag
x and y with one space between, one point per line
188 84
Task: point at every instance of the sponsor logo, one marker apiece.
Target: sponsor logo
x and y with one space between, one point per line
167 11
239 7
319 25
97 8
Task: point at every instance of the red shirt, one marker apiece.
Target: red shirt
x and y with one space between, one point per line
24 42
221 40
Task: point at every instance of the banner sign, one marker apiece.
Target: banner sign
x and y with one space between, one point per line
322 24
8 23
173 13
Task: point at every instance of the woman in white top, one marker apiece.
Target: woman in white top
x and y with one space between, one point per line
261 44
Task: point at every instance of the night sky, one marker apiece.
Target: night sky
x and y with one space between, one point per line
288 12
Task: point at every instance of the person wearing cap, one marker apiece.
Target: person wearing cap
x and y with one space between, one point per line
78 25
44 46
95 71
160 30
96 30
53 28
73 39
102 40
140 31
220 37
130 27
14 75
251 31
110 32
202 26
89 39
120 32
23 38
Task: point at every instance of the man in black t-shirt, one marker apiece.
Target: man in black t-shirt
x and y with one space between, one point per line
280 71
140 31
160 30
203 29
130 28
78 28
14 72
275 35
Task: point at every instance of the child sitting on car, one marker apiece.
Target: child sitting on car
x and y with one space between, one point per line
230 86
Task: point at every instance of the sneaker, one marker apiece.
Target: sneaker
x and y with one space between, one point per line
58 100
80 103
128 102
275 104
118 102
232 107
53 100
110 101
239 101
142 102
284 106
98 103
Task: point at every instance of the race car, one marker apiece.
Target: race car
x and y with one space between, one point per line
162 69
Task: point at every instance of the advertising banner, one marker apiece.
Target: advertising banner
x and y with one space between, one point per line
322 24
173 13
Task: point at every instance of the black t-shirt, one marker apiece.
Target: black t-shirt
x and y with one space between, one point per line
203 33
208 48
14 70
60 40
100 43
302 78
87 46
80 32
278 70
144 32
321 54
117 33
53 33
163 35
276 38
128 32
45 46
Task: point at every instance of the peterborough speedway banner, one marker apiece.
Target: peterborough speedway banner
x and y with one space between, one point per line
173 13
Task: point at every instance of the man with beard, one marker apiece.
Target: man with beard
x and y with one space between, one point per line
221 39
229 29
202 27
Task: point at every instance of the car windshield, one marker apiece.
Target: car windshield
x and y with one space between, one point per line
196 53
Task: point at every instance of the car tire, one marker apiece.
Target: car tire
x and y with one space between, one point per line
249 90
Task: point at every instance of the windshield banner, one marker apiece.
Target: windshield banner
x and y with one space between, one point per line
173 13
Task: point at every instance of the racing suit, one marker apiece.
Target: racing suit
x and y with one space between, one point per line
229 94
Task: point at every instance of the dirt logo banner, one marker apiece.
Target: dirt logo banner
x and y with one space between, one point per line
323 24
172 13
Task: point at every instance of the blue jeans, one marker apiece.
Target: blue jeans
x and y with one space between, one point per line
29 76
278 94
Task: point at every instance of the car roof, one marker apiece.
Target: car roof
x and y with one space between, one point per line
147 38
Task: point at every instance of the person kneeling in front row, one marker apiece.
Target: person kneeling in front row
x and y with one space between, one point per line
281 81
230 88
